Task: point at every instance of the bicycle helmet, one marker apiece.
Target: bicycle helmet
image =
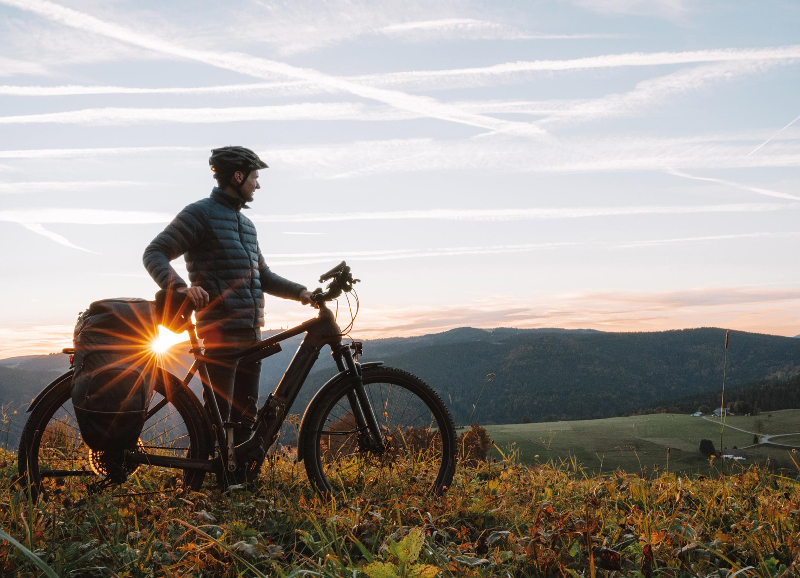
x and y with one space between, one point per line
225 161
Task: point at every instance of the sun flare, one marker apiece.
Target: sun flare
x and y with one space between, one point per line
167 339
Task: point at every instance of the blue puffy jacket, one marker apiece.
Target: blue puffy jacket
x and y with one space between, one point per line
223 257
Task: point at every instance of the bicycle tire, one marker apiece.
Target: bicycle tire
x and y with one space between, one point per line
416 427
51 443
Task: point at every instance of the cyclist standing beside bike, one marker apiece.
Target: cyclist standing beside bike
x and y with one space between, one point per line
228 276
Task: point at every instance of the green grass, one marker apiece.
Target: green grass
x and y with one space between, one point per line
639 443
792 440
772 422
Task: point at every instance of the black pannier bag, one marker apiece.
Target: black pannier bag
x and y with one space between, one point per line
115 371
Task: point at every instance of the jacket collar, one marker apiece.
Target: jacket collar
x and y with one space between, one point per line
224 198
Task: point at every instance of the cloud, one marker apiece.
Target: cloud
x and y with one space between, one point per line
294 87
96 152
11 67
267 69
763 309
748 308
697 296
732 62
655 91
731 237
516 71
34 339
671 9
519 214
37 228
490 155
130 116
82 216
393 254
29 187
501 155
86 216
649 92
291 259
472 29
45 42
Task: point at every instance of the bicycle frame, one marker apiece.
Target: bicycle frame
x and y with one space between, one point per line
320 331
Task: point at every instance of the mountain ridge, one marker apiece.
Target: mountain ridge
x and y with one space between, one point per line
539 374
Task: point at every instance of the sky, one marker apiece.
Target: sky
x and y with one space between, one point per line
620 165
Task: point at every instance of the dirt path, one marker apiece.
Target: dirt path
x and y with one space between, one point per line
762 438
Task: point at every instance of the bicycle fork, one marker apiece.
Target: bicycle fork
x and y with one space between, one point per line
369 437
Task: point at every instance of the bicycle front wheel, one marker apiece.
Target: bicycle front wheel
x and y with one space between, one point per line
418 437
55 463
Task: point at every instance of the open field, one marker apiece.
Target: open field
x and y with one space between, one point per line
497 519
640 443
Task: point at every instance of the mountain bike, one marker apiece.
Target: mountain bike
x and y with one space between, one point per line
359 424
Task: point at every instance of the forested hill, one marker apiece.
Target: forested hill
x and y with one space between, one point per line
544 375
540 374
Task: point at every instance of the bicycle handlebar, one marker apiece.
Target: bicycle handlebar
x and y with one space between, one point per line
174 309
342 282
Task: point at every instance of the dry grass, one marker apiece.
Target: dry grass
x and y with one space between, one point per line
497 519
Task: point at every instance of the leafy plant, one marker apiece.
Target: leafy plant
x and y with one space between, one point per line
406 552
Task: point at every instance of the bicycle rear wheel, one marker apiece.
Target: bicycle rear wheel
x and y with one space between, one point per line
416 427
53 460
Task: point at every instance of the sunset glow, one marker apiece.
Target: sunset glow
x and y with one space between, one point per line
611 165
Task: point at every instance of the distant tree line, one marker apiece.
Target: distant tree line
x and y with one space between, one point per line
751 398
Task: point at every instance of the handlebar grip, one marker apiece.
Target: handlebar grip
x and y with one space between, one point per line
333 272
174 310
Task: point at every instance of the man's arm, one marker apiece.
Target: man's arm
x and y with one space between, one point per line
185 231
276 285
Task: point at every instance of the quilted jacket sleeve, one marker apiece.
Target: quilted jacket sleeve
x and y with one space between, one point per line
184 232
276 285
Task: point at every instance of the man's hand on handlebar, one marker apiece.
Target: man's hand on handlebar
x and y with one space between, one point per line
198 296
306 298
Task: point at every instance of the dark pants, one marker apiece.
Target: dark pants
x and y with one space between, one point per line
235 384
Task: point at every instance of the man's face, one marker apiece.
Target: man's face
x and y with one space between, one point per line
249 186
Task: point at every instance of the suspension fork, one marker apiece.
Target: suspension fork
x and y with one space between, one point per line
363 411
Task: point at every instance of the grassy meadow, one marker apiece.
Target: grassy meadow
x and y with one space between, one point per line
517 515
640 443
497 519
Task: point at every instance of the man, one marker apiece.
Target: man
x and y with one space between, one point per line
228 277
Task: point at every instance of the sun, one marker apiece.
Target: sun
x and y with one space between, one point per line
167 339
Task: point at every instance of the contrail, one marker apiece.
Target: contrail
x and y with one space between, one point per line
773 136
37 228
301 111
758 190
266 69
76 90
471 76
437 79
491 30
657 242
94 152
83 216
20 188
519 214
315 258
394 254
80 216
